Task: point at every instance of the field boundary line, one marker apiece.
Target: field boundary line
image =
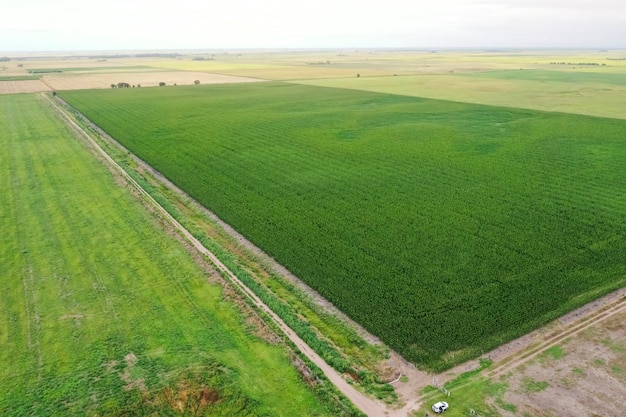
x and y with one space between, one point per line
583 324
366 405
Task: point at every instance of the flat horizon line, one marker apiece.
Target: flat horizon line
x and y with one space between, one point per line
314 49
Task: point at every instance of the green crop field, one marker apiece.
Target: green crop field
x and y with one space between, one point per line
103 312
444 228
568 76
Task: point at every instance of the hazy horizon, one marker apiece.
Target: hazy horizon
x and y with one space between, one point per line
67 25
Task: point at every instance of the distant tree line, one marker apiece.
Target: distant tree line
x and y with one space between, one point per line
123 85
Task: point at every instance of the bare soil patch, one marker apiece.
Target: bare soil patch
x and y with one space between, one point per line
588 380
518 351
143 79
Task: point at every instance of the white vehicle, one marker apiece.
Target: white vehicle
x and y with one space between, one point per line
440 407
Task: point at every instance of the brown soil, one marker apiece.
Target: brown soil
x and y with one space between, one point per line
589 380
516 352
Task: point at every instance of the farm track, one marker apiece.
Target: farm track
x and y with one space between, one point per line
506 358
557 337
368 406
518 352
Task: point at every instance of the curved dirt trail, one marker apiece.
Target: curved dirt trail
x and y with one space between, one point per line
370 407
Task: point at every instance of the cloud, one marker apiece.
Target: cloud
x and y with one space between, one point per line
142 24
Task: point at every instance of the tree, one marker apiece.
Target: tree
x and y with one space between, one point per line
161 84
113 85
196 82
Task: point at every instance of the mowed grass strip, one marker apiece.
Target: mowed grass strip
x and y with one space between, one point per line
443 228
102 312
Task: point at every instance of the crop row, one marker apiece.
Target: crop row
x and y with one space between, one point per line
443 228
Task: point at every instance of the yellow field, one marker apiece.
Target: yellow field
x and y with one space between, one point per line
25 86
276 71
83 73
595 99
297 65
448 75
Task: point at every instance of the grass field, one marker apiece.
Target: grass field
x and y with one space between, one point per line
443 228
572 91
103 312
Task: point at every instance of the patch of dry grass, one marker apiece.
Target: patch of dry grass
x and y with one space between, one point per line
23 86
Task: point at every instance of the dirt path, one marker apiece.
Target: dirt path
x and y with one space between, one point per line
370 407
505 358
558 336
523 349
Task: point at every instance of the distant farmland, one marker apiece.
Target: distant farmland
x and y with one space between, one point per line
443 228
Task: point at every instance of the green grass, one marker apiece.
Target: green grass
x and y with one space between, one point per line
347 351
469 391
443 228
530 385
558 76
102 312
615 346
553 353
18 78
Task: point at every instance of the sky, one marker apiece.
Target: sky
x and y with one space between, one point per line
75 25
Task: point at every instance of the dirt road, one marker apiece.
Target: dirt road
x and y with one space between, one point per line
370 407
617 305
523 349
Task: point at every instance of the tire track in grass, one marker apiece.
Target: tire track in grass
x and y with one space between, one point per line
33 318
32 314
370 407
